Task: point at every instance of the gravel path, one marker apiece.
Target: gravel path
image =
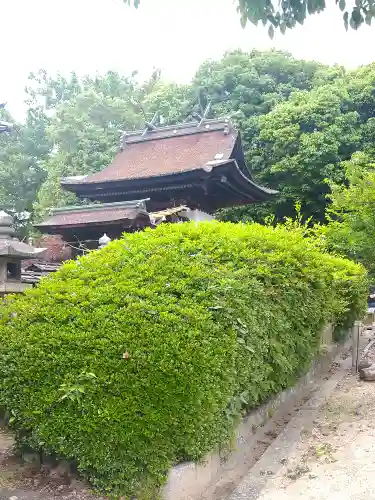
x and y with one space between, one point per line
335 459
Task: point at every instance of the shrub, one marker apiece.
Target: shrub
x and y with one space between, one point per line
147 352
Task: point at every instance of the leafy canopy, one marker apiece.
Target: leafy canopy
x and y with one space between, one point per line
302 142
283 15
351 215
22 152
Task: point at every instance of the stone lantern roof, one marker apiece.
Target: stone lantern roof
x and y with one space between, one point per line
10 246
12 252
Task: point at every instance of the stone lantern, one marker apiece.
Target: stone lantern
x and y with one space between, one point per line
12 252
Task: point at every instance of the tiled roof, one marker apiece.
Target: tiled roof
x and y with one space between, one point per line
35 271
159 153
40 266
78 216
15 248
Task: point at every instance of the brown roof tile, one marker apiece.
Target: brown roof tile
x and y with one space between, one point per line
80 217
163 156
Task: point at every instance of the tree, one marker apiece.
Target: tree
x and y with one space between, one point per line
85 128
285 15
304 140
241 85
351 227
300 144
88 114
21 171
246 85
350 230
173 102
299 121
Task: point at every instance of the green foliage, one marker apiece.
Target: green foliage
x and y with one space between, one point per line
173 102
77 122
253 83
85 127
148 352
21 171
351 215
299 147
286 15
302 142
245 86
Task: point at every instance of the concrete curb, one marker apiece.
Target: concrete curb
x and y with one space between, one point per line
191 481
285 444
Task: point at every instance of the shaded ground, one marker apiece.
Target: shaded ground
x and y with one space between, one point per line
335 458
20 480
263 438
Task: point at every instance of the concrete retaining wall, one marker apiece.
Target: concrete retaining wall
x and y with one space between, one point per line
189 481
326 337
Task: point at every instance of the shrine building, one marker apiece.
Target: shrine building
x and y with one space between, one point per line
185 171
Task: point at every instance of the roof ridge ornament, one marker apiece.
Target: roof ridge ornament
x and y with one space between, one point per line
181 129
201 119
150 125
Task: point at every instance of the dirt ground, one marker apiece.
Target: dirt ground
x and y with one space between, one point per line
24 479
335 458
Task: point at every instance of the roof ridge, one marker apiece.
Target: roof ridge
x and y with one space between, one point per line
187 128
99 206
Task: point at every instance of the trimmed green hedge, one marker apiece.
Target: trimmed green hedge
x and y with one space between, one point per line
148 352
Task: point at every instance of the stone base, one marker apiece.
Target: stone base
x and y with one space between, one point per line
12 287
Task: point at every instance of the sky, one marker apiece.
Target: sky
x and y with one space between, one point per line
90 36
